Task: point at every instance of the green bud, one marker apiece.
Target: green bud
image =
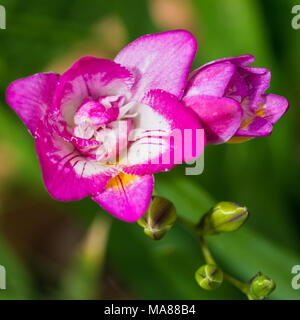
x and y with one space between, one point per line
159 218
261 286
224 217
209 276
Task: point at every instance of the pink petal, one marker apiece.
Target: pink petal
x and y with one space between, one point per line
258 127
221 117
258 81
67 174
160 61
96 113
90 77
237 88
169 134
211 80
274 107
127 197
243 60
237 61
30 97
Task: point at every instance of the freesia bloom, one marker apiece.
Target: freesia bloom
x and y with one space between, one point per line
102 127
229 97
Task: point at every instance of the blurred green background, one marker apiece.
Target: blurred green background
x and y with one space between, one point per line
54 250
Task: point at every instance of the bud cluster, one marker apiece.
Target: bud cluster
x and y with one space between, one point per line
223 217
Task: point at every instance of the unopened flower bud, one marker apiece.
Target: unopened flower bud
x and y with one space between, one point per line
159 218
261 286
224 217
209 276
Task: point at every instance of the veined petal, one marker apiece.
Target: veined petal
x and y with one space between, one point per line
127 197
168 134
160 61
90 77
221 117
211 80
258 127
261 123
273 107
30 97
67 174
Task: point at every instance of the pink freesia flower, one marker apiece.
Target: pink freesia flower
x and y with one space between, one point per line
102 127
230 99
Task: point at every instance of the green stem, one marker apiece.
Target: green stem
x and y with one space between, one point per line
190 225
206 252
244 287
